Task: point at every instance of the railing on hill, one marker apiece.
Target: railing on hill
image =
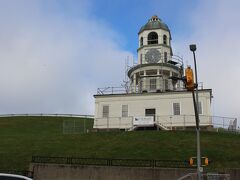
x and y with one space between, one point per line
48 115
111 162
170 122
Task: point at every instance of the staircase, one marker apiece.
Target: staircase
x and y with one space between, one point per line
158 124
161 126
131 128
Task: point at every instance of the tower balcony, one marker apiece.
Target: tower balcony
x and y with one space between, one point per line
154 77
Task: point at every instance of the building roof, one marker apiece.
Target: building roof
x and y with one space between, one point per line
154 23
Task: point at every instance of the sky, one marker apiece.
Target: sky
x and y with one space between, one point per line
54 54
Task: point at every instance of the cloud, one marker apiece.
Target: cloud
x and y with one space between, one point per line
53 62
216 32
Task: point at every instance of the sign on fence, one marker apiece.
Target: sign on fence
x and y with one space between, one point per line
143 121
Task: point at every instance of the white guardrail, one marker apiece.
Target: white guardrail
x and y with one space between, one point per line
48 115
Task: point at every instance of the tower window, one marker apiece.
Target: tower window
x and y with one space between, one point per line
140 58
152 38
153 84
141 41
165 56
176 108
164 39
166 84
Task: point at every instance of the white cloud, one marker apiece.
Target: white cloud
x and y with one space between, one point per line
217 34
53 63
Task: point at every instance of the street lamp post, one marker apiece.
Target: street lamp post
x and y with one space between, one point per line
193 48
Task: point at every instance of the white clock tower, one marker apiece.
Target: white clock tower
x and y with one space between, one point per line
156 62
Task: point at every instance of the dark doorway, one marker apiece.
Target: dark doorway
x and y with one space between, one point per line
150 112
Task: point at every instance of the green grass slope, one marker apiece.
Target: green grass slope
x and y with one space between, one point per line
23 137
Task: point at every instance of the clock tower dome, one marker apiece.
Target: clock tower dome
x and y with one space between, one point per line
156 62
154 42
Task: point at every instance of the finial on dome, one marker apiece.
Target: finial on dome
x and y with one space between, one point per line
154 18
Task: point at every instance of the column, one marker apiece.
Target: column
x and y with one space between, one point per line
134 83
158 80
170 81
144 81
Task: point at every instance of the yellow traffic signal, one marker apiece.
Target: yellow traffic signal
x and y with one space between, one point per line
193 161
189 78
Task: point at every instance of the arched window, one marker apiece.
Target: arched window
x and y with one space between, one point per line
152 38
164 39
141 41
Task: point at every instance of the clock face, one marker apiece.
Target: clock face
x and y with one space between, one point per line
152 56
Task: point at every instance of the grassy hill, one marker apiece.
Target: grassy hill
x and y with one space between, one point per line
23 137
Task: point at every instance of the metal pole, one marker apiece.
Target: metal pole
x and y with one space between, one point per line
199 170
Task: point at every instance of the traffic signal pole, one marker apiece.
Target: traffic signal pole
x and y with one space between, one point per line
193 48
190 86
199 171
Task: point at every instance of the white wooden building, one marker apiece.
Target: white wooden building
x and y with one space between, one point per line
152 99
